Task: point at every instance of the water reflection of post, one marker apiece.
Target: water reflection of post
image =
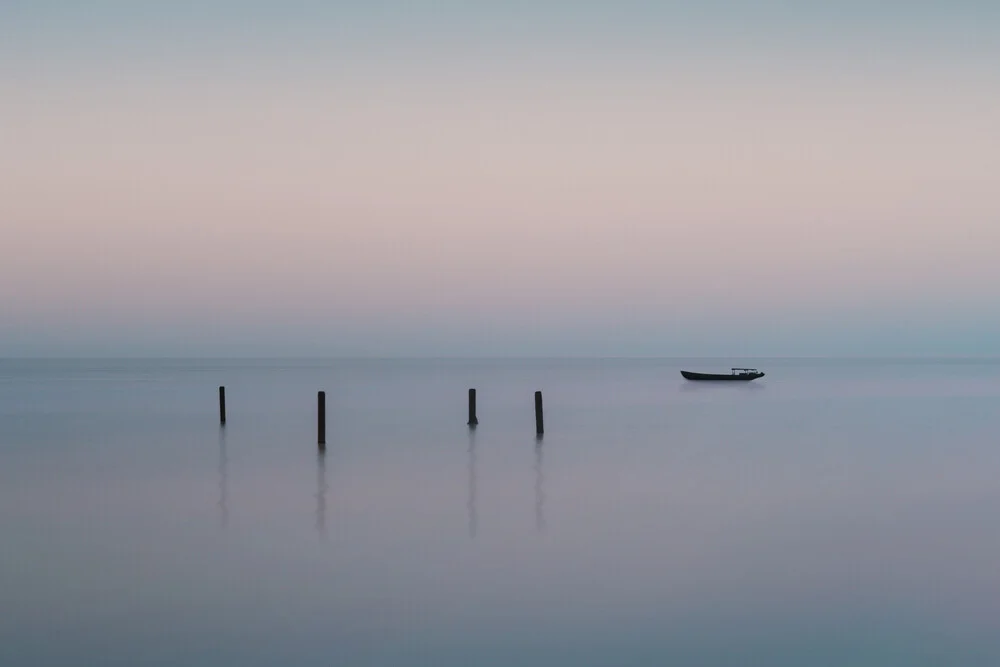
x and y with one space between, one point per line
471 502
539 487
223 481
321 494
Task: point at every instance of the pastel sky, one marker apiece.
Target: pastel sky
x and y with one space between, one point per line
499 178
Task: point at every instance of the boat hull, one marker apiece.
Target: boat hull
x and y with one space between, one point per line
712 377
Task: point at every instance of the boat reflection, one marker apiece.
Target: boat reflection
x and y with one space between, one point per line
708 387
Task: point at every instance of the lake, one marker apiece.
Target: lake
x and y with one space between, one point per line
834 512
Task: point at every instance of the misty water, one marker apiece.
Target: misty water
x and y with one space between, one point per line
830 513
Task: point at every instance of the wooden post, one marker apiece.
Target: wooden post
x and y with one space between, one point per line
321 420
539 421
473 420
222 406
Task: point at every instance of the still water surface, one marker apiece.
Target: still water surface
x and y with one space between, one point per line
831 513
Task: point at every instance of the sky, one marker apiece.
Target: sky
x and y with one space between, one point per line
499 178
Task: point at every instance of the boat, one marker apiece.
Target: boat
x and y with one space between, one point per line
737 375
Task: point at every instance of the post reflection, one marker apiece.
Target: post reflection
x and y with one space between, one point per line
223 481
539 487
471 501
321 488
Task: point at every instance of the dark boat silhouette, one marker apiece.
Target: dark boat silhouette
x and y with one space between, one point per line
737 375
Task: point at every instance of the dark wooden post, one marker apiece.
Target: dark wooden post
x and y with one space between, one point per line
321 420
539 421
222 405
473 420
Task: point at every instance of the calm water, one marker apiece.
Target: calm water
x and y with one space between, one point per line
832 513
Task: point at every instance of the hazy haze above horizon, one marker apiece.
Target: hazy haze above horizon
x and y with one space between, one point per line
546 178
